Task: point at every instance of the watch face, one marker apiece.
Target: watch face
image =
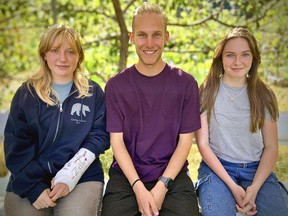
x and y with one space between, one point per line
170 184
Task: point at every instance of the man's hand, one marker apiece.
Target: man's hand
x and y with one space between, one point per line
145 200
159 192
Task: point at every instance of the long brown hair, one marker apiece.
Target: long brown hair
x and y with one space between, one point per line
42 79
260 95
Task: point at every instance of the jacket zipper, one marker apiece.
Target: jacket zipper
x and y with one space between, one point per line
57 128
60 110
58 123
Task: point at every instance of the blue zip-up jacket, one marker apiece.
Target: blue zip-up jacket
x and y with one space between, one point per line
39 139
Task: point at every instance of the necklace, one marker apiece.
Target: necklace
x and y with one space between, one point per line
232 98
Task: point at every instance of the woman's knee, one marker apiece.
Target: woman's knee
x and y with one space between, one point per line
215 197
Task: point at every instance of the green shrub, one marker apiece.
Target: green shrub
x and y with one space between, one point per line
3 169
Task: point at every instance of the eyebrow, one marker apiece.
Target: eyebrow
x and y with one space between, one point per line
241 51
57 47
143 32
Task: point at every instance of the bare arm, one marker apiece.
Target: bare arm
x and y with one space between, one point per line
202 139
122 156
174 167
267 161
146 202
179 156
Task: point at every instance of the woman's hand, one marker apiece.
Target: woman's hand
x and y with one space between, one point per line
59 190
238 194
249 205
44 200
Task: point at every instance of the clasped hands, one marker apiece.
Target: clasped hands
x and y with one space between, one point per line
150 202
49 197
245 200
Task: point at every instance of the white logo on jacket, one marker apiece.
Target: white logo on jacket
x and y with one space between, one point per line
77 107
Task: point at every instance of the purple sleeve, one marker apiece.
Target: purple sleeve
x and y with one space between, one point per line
114 118
191 109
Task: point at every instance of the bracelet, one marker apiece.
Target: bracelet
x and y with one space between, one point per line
135 182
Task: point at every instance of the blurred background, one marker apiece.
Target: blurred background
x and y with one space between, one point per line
195 28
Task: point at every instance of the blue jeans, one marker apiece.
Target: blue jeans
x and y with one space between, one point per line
216 198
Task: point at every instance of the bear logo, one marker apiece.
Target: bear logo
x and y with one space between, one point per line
77 107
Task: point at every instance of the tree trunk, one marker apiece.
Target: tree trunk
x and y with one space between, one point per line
124 37
54 11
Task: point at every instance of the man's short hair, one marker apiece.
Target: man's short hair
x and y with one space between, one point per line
149 8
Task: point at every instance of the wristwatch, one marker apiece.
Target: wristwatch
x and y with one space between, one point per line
168 182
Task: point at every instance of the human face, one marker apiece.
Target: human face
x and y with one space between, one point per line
237 59
62 61
149 37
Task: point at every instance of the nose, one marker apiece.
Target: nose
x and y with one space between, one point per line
149 42
237 59
62 56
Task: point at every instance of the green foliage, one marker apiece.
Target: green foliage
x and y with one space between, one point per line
106 160
3 169
282 97
195 27
281 168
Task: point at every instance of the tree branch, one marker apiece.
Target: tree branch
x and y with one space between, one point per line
98 75
199 22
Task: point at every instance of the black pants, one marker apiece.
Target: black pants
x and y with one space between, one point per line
119 198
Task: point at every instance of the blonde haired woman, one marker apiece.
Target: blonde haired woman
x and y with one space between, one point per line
55 133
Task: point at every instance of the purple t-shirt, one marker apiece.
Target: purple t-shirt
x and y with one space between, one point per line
152 112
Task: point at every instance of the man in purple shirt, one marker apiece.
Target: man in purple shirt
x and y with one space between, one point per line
152 112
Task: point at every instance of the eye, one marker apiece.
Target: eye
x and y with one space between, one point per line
70 52
141 35
246 54
230 55
55 51
157 35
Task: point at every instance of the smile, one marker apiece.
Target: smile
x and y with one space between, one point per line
237 69
150 51
62 66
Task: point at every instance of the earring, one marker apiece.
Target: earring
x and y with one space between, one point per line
247 75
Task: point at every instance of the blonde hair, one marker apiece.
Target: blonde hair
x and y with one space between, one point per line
149 8
42 79
260 95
